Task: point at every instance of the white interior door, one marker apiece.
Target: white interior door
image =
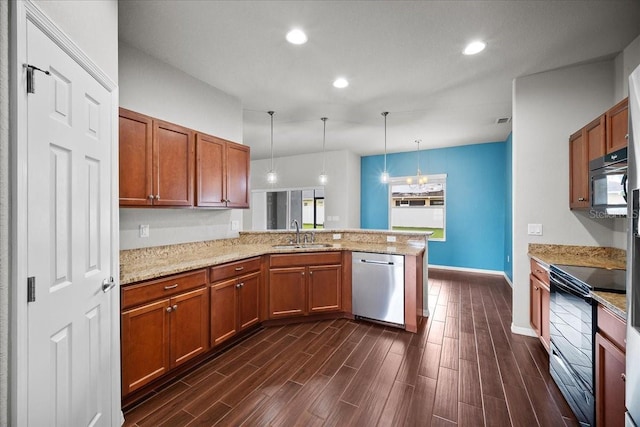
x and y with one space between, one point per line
69 242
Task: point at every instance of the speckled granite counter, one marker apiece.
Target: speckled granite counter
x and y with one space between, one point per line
587 256
150 263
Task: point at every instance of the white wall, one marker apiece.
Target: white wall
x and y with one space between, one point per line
92 25
152 87
547 108
625 63
342 191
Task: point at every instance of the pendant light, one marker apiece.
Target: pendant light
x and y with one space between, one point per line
385 175
272 177
420 180
323 175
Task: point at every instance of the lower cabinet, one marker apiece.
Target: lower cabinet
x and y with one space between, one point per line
539 299
302 284
159 334
610 370
234 306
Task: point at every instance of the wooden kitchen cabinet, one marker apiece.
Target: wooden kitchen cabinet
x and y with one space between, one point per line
539 300
235 298
303 284
595 136
156 162
164 323
617 124
578 171
222 173
610 378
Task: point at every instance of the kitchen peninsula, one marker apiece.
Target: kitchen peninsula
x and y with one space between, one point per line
182 304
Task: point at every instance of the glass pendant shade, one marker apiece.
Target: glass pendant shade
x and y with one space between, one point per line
272 177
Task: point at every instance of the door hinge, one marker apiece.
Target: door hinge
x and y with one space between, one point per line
31 79
31 289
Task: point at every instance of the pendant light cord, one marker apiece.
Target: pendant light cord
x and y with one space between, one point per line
271 114
385 139
324 137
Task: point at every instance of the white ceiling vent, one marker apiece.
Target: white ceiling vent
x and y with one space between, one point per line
502 120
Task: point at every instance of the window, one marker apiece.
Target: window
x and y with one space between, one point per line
414 207
276 210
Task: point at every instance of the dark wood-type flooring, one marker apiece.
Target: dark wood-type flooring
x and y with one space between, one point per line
464 367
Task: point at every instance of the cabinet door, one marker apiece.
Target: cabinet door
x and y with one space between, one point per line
224 311
545 334
210 171
595 135
610 383
578 172
248 300
325 290
145 344
534 303
173 165
618 126
136 162
237 175
189 326
287 296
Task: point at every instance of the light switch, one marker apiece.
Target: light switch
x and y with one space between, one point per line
235 225
144 230
534 229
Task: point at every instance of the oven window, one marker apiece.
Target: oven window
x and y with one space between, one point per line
608 190
572 333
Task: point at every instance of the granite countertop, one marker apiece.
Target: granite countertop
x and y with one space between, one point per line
149 263
587 256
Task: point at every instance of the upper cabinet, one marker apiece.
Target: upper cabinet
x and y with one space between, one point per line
603 135
618 126
222 173
164 164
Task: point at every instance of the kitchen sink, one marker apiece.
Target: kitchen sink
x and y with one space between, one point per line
304 246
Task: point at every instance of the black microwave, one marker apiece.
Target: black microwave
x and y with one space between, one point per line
608 182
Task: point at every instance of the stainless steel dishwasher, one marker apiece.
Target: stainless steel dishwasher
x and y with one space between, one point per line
378 287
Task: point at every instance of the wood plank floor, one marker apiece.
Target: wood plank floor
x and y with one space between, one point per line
464 367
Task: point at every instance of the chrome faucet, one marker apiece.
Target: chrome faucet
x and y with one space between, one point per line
295 222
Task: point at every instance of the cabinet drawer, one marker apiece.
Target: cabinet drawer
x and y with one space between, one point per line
160 288
613 327
298 260
234 269
540 272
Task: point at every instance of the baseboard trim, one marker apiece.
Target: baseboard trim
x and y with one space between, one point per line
508 280
467 270
523 331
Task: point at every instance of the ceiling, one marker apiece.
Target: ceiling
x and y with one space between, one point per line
399 56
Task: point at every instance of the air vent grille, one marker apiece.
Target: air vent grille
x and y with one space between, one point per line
502 120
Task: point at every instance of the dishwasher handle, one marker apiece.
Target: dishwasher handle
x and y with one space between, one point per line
369 261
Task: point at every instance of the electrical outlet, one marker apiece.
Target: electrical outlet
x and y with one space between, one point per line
235 225
391 238
534 229
144 230
337 236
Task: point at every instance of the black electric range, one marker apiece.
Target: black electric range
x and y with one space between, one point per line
573 323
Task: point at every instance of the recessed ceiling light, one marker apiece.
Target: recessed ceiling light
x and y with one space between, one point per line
296 36
474 47
340 83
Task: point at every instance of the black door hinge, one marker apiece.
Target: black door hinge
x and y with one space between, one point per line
31 79
31 289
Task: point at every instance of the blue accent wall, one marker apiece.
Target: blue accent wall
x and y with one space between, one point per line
508 222
476 200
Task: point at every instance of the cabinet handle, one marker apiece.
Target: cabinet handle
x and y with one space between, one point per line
150 197
175 307
626 136
175 285
222 200
238 286
581 199
302 273
239 268
242 284
169 309
623 377
311 273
